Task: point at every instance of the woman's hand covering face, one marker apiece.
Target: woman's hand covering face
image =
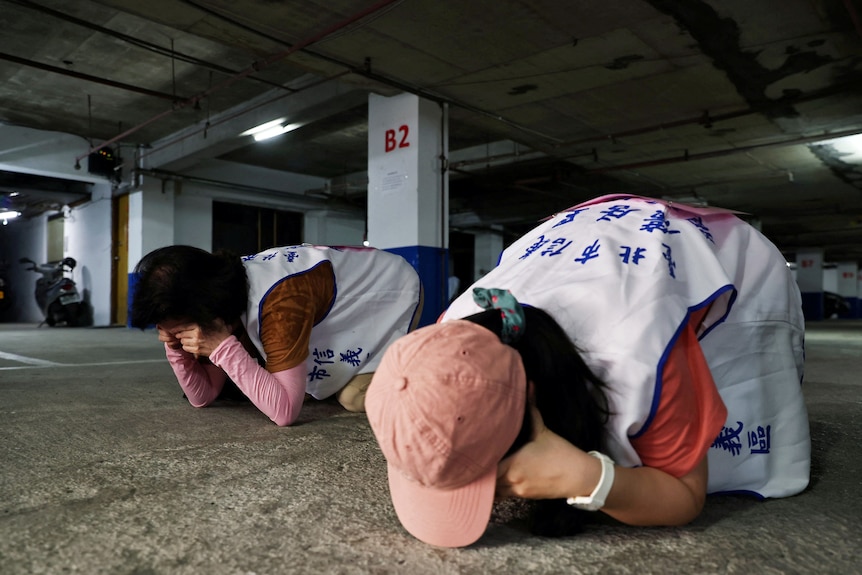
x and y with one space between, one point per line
167 337
193 338
547 467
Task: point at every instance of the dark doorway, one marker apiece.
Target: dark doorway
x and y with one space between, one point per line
252 229
461 250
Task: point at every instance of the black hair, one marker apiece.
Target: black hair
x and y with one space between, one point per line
184 282
568 395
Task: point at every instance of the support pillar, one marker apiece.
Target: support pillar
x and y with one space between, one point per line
848 288
809 276
859 291
487 247
151 223
408 189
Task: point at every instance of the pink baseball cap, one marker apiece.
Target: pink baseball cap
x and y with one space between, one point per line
445 404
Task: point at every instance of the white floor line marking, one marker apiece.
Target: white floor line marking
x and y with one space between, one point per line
28 360
52 364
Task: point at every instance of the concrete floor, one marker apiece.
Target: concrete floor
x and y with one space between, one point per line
107 469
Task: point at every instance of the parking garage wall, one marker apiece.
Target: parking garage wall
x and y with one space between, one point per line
23 238
87 238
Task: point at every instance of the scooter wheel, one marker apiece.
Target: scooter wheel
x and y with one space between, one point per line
74 315
54 313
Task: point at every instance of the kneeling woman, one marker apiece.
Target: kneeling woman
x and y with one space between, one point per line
655 349
280 324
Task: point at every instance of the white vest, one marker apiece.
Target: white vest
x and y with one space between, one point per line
621 275
376 296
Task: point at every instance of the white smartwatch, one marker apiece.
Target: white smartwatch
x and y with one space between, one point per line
596 499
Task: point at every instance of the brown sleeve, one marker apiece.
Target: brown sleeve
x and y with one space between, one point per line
289 313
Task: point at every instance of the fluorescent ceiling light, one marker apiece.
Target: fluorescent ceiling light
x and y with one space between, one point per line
8 215
849 147
274 131
263 127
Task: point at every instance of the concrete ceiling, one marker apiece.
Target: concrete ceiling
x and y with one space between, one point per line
726 102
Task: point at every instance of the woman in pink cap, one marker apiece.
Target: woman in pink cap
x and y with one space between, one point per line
655 349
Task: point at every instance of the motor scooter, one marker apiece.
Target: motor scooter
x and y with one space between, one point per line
56 294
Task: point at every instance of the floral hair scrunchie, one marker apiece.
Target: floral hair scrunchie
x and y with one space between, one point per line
510 311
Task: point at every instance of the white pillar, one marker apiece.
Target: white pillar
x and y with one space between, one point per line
858 308
88 239
151 219
193 219
809 276
408 190
151 222
487 247
847 286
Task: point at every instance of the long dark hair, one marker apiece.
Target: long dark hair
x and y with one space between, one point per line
184 282
569 396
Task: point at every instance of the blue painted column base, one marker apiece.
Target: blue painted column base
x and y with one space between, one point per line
431 264
812 305
854 307
133 284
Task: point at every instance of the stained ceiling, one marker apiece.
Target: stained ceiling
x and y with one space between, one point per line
728 103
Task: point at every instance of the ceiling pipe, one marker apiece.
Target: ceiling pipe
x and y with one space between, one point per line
87 77
686 157
255 67
496 158
295 201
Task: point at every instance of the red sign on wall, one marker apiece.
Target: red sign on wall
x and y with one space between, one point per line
393 141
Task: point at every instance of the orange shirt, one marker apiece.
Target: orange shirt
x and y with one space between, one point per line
690 412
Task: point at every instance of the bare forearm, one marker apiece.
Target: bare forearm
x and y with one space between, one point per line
549 467
649 496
